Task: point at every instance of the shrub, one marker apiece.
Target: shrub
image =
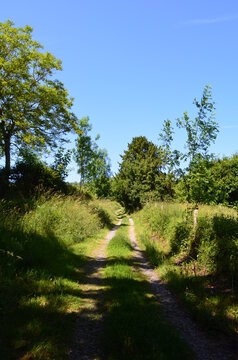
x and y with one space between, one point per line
180 235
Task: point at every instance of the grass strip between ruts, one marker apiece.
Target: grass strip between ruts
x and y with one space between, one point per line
135 327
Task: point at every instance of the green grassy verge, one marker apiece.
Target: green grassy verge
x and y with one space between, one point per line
134 325
43 253
199 265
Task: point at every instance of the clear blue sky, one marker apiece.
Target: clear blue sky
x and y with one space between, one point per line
130 64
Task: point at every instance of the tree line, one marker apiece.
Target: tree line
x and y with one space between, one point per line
36 117
150 172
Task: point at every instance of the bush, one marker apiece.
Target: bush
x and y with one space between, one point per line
32 177
31 173
180 236
218 243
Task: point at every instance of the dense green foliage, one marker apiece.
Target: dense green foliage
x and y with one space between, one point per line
35 109
42 254
199 262
31 177
211 182
225 180
140 178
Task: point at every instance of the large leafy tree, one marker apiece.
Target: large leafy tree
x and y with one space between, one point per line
35 108
140 177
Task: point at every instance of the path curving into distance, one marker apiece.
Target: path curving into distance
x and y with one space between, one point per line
204 348
89 325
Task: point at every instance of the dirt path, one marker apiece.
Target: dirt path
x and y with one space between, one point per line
204 348
89 325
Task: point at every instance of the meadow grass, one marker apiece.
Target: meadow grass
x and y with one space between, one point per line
42 258
134 327
200 264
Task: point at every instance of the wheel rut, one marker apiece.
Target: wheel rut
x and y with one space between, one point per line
87 340
204 347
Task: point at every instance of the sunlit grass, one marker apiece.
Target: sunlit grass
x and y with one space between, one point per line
202 268
42 263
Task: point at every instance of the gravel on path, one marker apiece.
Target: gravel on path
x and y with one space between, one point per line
87 344
204 347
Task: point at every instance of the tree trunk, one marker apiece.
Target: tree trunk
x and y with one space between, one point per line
81 182
80 186
7 152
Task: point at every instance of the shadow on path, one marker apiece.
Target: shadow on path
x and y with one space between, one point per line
87 342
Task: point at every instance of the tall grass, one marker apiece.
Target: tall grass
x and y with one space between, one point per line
213 243
199 262
42 255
